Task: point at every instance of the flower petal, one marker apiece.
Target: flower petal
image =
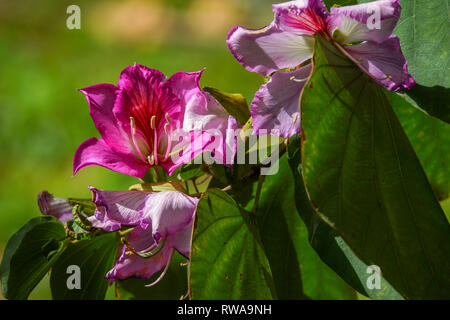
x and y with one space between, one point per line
276 105
143 94
181 240
269 49
389 14
96 152
133 266
124 207
302 17
168 212
101 100
56 207
384 62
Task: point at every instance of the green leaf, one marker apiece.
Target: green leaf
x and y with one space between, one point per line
29 254
430 138
94 258
364 179
227 258
235 104
171 287
297 270
425 42
331 248
433 101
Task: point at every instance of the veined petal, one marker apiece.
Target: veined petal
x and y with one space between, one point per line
124 207
388 11
168 212
384 62
101 100
130 265
105 224
185 85
269 49
302 17
181 240
276 105
56 207
96 152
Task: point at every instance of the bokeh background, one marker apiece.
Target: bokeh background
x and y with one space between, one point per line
43 118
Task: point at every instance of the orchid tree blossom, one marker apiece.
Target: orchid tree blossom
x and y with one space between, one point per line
162 224
287 43
140 118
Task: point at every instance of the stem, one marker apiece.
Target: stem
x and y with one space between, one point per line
258 193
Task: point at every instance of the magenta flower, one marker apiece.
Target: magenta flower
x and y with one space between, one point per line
163 223
140 121
288 42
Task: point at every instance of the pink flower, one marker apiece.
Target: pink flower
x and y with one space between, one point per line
163 223
288 42
140 121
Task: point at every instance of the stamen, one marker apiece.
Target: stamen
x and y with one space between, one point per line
168 118
150 254
151 160
165 270
133 137
296 117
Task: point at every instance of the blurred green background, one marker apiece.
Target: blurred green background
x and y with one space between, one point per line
43 118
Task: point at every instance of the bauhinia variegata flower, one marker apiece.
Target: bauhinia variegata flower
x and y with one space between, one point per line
287 43
142 119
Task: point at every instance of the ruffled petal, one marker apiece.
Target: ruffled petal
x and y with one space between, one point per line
269 49
168 212
105 224
384 62
130 265
276 106
124 207
96 152
389 14
101 100
56 207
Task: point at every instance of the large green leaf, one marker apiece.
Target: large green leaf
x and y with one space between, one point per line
331 248
424 37
365 180
430 138
435 101
227 259
297 270
29 254
94 258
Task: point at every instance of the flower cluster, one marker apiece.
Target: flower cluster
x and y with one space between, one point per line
143 117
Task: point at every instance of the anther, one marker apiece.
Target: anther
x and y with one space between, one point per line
295 79
152 122
296 117
133 126
166 128
168 118
151 160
